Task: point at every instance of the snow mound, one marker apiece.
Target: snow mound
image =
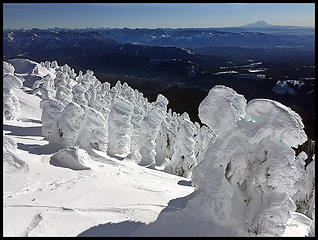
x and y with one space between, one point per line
31 71
8 68
297 226
25 66
134 156
73 158
11 163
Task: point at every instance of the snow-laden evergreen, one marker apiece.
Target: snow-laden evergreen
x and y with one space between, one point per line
246 174
11 163
183 160
150 127
80 111
251 167
11 105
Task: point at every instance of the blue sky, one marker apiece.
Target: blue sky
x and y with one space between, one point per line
154 15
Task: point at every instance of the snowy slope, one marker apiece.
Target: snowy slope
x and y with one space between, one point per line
45 200
83 159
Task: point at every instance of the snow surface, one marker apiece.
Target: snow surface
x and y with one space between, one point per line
39 195
83 159
282 87
46 200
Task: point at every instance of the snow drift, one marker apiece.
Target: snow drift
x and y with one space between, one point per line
72 157
11 163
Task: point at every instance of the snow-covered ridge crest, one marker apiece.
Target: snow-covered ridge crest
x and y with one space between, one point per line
80 111
242 163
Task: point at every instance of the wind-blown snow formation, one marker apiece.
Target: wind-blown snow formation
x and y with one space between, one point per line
11 163
248 180
11 105
251 162
80 111
72 157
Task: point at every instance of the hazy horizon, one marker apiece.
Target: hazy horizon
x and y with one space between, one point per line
154 15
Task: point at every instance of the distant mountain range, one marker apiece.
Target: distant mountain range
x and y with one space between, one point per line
258 24
169 59
159 50
264 25
256 35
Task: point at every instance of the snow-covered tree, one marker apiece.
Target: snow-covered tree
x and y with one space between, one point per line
183 159
203 135
250 171
45 87
11 82
79 95
93 132
63 88
150 128
69 124
305 196
119 127
51 111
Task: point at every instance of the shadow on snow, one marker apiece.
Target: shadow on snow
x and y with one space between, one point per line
23 131
134 229
39 149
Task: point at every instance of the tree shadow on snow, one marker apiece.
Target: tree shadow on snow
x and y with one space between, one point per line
185 183
23 131
29 80
39 149
112 229
136 229
30 120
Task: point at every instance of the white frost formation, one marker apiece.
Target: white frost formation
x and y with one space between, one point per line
183 160
11 104
120 127
150 128
80 111
250 172
242 163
